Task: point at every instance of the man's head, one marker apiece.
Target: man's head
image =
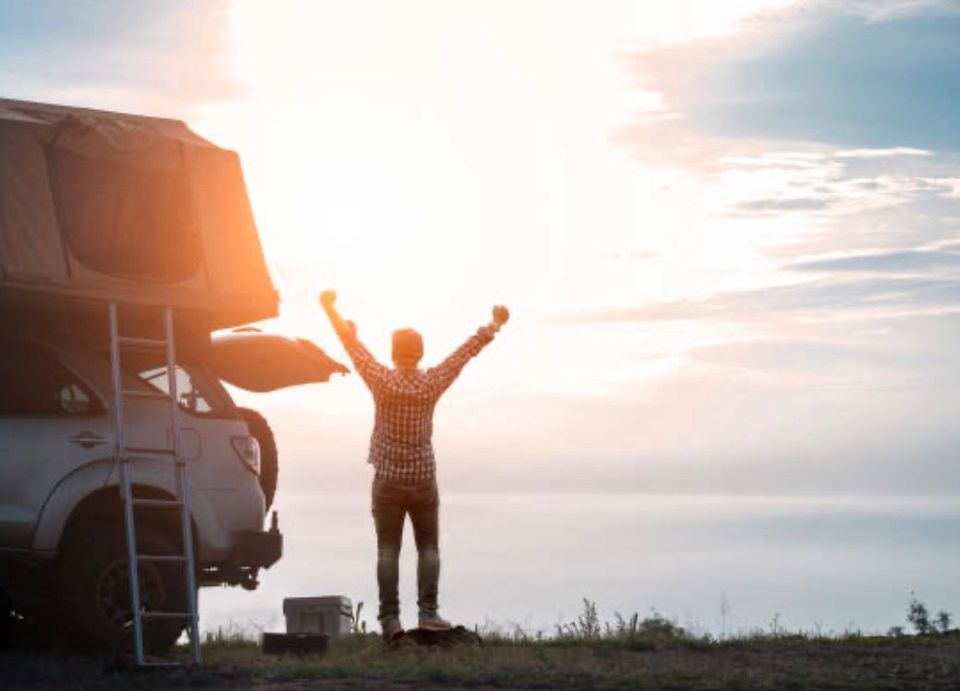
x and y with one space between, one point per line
407 347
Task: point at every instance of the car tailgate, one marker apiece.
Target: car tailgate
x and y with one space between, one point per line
258 361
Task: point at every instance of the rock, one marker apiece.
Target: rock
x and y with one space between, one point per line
456 637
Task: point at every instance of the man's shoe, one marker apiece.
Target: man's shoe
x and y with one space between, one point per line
391 628
433 622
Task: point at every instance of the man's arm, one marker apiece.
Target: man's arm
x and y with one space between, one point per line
368 368
444 374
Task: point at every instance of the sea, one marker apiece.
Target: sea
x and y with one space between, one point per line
722 565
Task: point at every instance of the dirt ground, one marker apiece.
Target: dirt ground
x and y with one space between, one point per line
364 663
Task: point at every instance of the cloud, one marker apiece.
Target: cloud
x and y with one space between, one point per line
783 204
627 254
882 351
854 206
882 153
780 354
883 10
825 72
821 299
905 261
837 200
802 133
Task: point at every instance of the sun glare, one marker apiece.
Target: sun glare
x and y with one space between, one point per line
428 173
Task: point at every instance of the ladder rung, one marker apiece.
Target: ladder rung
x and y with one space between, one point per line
161 663
151 449
158 502
124 453
133 393
161 557
166 615
142 342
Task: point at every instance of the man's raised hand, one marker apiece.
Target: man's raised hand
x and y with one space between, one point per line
327 298
344 329
500 315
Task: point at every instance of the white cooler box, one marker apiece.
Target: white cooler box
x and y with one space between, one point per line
331 615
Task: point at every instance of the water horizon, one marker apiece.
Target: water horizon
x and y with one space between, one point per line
718 564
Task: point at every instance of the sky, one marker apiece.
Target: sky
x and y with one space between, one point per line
729 233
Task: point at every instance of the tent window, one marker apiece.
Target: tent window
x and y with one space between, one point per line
126 220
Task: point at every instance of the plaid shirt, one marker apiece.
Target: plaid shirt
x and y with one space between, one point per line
401 447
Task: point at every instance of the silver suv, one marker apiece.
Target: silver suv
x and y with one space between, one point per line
143 215
63 559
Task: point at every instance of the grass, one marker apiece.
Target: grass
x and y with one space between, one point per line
643 661
627 653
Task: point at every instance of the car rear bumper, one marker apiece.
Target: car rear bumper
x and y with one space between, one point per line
252 550
257 548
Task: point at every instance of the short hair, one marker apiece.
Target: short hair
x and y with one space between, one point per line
407 345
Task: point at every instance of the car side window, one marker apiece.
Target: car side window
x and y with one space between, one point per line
197 392
192 398
34 382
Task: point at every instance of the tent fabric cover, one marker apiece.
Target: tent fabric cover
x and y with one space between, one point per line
141 210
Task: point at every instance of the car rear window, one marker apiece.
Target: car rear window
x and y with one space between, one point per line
197 392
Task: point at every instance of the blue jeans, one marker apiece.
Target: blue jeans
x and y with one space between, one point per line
392 501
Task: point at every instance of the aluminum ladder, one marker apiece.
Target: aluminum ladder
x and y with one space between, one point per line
124 454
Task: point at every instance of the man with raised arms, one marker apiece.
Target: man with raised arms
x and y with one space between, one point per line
401 452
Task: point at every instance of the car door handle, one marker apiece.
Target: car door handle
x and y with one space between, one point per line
87 440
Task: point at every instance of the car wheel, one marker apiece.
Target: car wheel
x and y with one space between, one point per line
95 587
269 463
6 620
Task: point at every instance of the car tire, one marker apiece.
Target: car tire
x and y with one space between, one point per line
95 587
269 463
7 619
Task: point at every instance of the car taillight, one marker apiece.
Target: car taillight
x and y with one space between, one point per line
248 449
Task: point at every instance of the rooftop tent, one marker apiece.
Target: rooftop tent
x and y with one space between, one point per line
103 206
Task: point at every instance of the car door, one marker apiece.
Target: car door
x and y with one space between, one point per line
51 423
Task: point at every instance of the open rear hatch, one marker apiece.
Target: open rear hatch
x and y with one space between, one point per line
261 362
